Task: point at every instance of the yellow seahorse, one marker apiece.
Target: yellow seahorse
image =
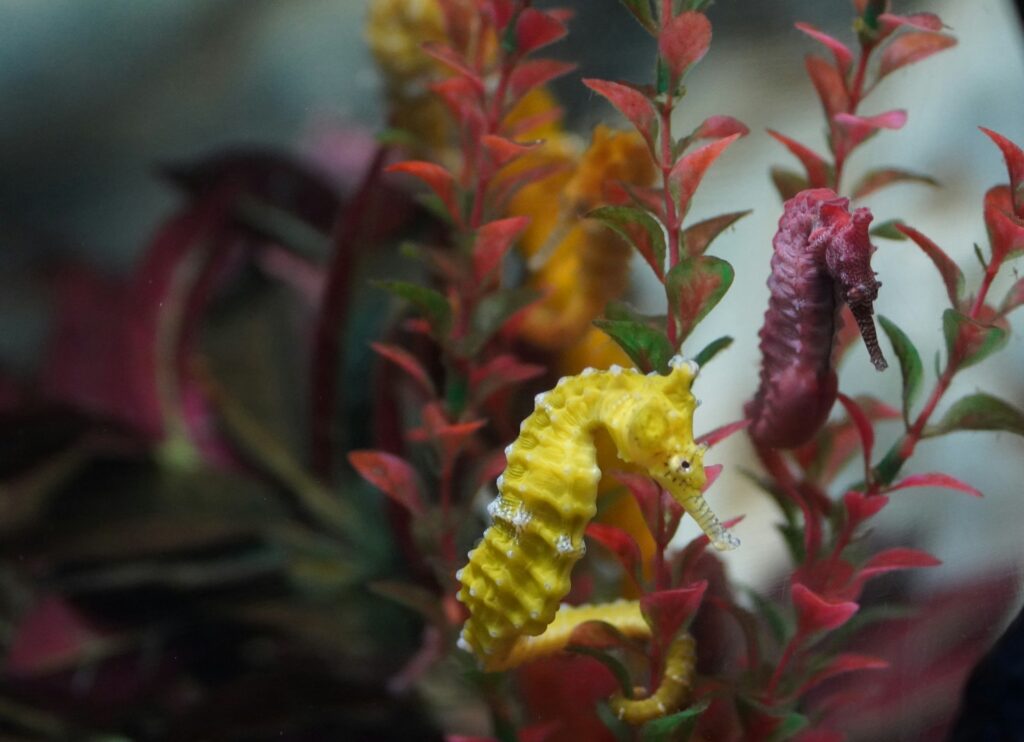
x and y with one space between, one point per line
519 573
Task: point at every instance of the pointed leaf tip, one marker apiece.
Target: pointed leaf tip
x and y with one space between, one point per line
391 474
816 613
684 41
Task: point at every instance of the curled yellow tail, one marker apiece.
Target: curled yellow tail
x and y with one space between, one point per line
680 660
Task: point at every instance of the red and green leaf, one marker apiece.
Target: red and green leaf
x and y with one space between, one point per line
697 237
841 52
980 412
694 286
910 48
951 274
392 475
934 479
683 41
632 104
493 240
819 172
911 368
688 172
875 180
639 229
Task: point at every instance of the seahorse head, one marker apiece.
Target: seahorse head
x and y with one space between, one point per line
657 436
848 259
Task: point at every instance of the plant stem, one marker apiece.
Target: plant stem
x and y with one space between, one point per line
856 95
906 445
784 660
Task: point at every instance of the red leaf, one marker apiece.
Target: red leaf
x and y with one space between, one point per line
687 173
408 363
1014 157
492 242
891 560
667 611
718 435
910 48
501 12
500 372
632 104
711 474
683 41
51 636
452 437
840 665
435 176
502 151
818 175
536 29
934 479
391 474
1014 297
644 491
451 58
1005 230
860 507
842 53
950 271
717 127
621 544
864 429
921 21
535 72
859 128
829 85
875 180
697 237
816 613
700 543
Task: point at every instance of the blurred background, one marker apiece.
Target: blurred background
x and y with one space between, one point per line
105 97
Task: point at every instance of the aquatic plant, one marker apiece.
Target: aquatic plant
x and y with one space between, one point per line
521 570
496 385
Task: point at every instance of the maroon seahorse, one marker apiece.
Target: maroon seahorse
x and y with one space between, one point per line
822 259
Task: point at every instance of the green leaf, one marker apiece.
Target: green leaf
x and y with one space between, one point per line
698 237
788 182
792 723
640 229
491 313
431 304
648 347
676 727
979 412
712 349
694 286
970 342
619 729
617 668
887 230
641 10
910 364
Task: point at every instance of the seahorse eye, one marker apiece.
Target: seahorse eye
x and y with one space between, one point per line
685 465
